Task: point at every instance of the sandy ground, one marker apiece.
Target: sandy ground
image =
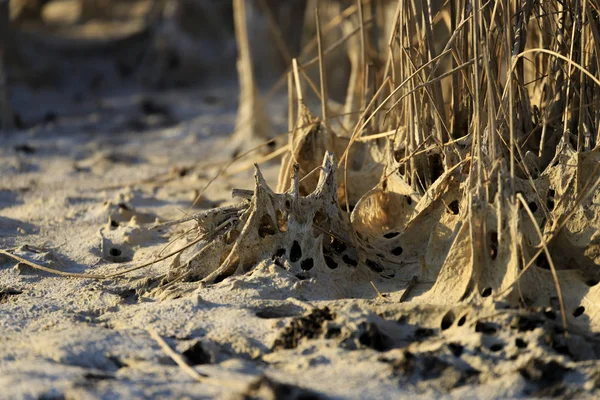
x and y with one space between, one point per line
92 171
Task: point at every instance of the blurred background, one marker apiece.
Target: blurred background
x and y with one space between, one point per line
61 56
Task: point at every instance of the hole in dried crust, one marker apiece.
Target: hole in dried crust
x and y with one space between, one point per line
542 261
578 311
550 314
462 320
533 206
520 343
453 207
486 292
448 320
330 262
281 221
493 240
487 328
496 347
196 355
437 166
391 235
279 253
225 275
408 200
266 227
456 349
372 337
526 323
282 311
295 252
350 261
591 282
114 252
319 218
337 245
5 294
397 251
423 333
373 266
288 204
307 264
114 223
550 200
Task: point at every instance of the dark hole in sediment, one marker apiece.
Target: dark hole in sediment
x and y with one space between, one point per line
338 246
436 166
372 337
532 206
456 349
496 347
520 343
486 292
486 328
114 223
350 261
493 238
24 148
591 282
578 311
173 61
408 200
224 275
550 200
307 264
550 314
397 251
6 293
114 252
448 320
330 262
274 312
373 266
526 323
266 226
279 253
453 207
462 320
542 261
423 333
196 355
295 252
391 235
309 326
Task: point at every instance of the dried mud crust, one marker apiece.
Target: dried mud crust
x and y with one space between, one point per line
304 235
428 350
470 248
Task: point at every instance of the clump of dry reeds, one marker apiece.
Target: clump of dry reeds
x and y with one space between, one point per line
468 144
